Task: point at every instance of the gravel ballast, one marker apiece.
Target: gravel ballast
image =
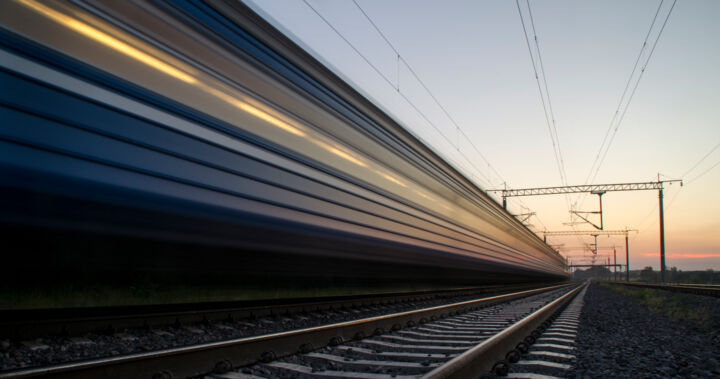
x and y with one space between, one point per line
408 352
658 334
50 350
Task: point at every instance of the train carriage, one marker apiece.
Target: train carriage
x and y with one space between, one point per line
193 136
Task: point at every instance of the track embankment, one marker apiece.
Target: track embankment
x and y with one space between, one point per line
646 333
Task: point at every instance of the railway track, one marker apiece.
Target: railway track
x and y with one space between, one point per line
25 324
552 353
468 330
696 289
469 344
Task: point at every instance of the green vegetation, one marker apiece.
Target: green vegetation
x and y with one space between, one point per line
675 306
673 275
647 274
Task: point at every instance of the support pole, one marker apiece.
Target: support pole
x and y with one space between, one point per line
504 202
627 259
601 212
609 272
595 250
662 237
614 264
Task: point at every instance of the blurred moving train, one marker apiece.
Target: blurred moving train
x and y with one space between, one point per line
193 136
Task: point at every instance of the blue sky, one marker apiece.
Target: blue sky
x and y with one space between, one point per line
473 56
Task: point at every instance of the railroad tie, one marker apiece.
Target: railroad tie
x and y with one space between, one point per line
551 356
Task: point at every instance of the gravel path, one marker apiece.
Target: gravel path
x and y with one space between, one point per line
622 337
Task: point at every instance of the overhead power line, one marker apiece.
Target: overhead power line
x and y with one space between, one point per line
410 102
704 172
622 97
686 182
377 70
427 89
619 114
546 104
414 74
701 160
437 102
547 93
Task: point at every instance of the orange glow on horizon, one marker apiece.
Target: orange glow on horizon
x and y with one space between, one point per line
687 256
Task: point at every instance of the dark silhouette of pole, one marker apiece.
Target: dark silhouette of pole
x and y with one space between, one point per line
601 213
662 237
597 189
609 272
627 259
614 263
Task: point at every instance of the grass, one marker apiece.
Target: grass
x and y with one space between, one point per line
678 307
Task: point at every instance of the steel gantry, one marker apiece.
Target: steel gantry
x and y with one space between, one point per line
588 188
595 234
600 189
597 248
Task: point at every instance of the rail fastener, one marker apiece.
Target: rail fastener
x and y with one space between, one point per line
492 353
202 359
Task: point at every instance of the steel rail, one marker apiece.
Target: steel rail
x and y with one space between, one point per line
224 355
480 359
24 324
683 288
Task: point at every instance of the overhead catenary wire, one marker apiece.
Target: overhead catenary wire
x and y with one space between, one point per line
619 114
686 182
546 109
547 105
701 160
693 180
425 117
389 82
547 94
427 89
624 93
460 130
644 220
396 86
641 226
618 120
552 112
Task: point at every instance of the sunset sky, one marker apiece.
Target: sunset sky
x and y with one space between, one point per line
474 58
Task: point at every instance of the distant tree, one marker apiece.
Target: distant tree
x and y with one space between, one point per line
647 274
